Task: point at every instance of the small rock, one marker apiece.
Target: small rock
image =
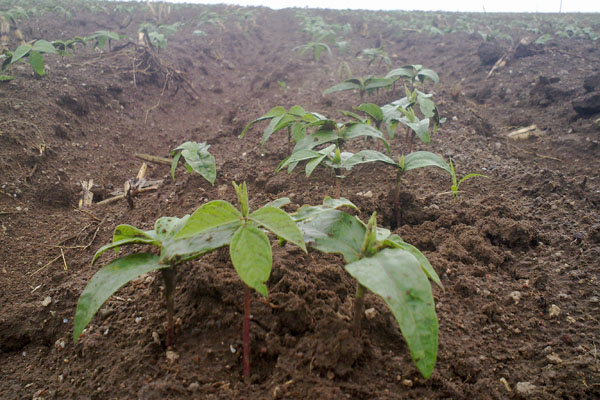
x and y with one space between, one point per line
194 387
506 385
525 388
60 344
370 313
563 296
368 194
407 383
554 358
172 356
46 302
554 311
138 320
222 190
156 338
515 296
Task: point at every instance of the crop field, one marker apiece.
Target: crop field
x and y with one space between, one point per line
219 202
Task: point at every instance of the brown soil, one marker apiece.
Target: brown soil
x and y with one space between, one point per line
532 227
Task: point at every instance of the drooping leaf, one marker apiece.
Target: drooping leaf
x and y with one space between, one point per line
278 202
378 83
373 110
366 156
198 159
280 223
307 211
404 72
396 241
315 139
251 256
333 231
123 242
421 128
347 85
361 130
428 73
20 52
166 227
44 46
273 112
396 276
107 281
420 159
207 216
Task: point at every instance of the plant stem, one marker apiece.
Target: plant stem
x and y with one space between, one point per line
168 275
289 140
397 199
338 189
246 332
359 306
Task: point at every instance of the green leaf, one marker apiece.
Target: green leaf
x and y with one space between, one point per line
357 130
198 159
125 231
20 52
117 244
176 250
107 281
242 195
428 73
396 241
174 164
251 256
404 72
396 276
373 110
278 203
377 83
421 128
37 62
280 223
333 231
44 46
207 216
5 78
469 176
347 85
366 156
166 227
421 159
315 139
275 111
306 211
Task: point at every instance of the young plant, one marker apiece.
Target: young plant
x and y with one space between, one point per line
101 37
294 121
414 73
316 48
383 263
249 247
372 55
197 159
33 53
63 46
363 85
122 270
456 183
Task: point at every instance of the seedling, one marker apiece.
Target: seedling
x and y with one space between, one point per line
316 48
414 73
249 247
456 183
101 37
63 46
373 55
33 53
282 85
124 269
197 159
294 121
363 85
383 263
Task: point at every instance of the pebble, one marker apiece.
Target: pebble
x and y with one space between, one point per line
515 296
46 302
172 356
194 387
525 388
156 338
506 385
138 320
407 383
554 311
554 358
370 313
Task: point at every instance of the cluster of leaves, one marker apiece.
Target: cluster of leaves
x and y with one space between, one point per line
157 35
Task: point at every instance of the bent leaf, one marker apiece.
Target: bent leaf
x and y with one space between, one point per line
20 52
347 85
280 223
396 241
251 256
421 159
207 216
396 276
366 156
107 281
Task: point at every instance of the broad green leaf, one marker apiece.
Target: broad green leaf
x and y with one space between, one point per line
197 159
280 223
125 231
306 211
278 202
207 216
175 250
421 128
273 112
396 241
377 83
373 110
297 111
427 106
396 276
20 52
44 46
428 73
405 72
342 86
166 227
251 256
420 159
358 130
366 156
123 242
107 281
314 163
278 123
315 139
333 231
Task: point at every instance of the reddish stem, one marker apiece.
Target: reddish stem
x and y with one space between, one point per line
168 275
246 331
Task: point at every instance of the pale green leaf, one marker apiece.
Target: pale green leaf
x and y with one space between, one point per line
209 215
251 256
280 223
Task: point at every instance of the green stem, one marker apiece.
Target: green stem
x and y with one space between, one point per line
168 275
397 199
359 306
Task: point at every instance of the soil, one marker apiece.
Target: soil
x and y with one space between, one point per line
517 253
